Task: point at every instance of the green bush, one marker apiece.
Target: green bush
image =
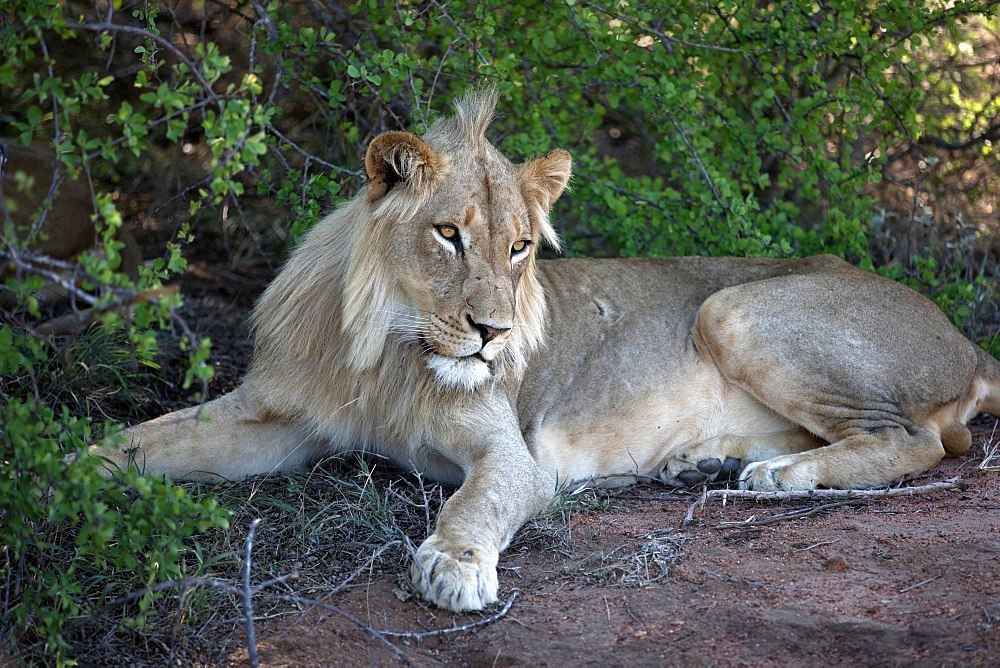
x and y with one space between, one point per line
73 541
697 128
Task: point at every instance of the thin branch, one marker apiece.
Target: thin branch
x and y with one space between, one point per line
697 159
163 42
246 593
342 585
700 503
813 494
667 39
843 497
819 544
991 134
457 629
311 156
991 449
378 635
920 584
749 583
458 28
793 515
414 635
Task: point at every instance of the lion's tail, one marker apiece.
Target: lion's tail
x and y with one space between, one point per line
988 382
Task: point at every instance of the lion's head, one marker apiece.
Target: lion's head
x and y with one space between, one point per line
437 254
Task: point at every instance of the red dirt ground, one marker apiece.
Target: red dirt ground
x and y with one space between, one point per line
901 581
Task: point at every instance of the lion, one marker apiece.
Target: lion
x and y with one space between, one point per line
416 322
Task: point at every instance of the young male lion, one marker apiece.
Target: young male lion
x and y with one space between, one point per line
410 322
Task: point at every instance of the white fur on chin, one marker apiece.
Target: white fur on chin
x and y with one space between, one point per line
459 372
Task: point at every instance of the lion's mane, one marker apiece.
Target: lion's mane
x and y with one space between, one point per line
325 342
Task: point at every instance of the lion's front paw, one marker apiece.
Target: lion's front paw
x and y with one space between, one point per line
455 579
779 474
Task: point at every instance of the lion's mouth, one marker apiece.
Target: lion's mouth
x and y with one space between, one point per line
468 372
430 349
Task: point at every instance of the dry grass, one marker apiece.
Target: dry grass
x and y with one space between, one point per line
643 561
991 450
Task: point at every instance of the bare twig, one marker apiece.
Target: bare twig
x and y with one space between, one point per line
662 36
749 583
160 41
697 161
815 545
843 497
793 515
458 628
342 585
700 503
383 635
378 635
991 450
246 593
920 584
813 494
311 156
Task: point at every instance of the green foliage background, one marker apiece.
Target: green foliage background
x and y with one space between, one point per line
697 127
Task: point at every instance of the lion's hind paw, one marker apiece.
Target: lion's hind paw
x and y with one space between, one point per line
683 472
465 582
780 474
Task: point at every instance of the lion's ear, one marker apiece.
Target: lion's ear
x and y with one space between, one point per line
400 158
542 182
544 179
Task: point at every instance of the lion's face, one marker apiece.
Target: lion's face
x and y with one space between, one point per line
463 261
456 226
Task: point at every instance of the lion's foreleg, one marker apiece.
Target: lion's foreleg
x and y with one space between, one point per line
455 568
229 438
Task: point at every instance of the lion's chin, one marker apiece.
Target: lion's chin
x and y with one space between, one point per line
464 373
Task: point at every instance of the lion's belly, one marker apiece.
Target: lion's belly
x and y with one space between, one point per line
633 435
620 384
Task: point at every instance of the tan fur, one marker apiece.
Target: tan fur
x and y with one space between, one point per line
411 322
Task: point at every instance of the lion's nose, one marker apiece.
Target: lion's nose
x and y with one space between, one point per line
487 332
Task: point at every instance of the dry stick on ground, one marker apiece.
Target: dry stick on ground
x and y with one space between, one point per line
415 635
991 450
700 503
244 592
247 596
842 495
378 635
750 583
819 544
793 515
920 584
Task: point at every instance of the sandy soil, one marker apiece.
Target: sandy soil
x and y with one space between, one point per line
903 581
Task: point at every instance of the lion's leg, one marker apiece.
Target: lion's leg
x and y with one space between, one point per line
229 438
867 459
455 568
815 350
725 456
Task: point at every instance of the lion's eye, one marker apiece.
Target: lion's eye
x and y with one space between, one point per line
519 246
450 234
